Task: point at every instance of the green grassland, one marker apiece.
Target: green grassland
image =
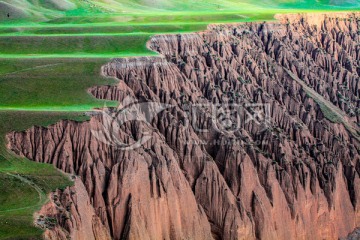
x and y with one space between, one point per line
95 46
24 184
49 9
51 52
50 84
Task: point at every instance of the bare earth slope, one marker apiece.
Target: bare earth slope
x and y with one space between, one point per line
295 177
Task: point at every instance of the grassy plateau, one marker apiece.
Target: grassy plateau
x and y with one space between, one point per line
51 52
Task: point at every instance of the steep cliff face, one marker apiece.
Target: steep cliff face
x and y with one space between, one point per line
291 171
70 215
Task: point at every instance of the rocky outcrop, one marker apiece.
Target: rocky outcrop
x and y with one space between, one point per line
353 236
70 215
241 145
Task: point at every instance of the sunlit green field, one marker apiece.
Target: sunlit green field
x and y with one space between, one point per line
51 52
50 84
125 9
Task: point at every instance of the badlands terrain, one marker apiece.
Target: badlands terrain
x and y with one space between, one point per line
293 174
185 119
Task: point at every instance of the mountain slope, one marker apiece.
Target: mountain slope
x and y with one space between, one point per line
48 9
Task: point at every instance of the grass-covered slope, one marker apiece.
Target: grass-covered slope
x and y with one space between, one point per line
50 84
49 9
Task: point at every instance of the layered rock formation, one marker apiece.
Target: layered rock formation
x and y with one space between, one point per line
288 169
